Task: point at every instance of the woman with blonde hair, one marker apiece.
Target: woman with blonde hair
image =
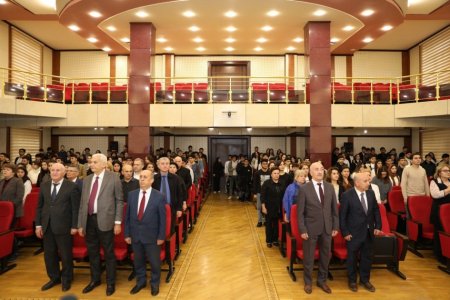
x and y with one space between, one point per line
290 195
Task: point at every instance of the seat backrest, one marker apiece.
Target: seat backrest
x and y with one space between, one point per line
444 215
420 208
78 241
396 202
6 215
294 226
119 239
384 220
168 220
396 188
29 210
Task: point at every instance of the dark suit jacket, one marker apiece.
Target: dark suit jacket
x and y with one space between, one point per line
152 227
62 214
109 202
14 192
312 217
186 176
176 191
352 217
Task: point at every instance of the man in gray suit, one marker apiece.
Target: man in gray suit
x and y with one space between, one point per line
12 189
318 221
100 216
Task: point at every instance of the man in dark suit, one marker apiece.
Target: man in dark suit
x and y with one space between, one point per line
183 172
170 185
145 230
318 221
360 221
72 175
12 189
129 183
100 216
56 222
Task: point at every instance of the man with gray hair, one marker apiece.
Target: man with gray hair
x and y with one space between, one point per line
138 166
100 218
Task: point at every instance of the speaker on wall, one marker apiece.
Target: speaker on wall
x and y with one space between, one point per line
114 146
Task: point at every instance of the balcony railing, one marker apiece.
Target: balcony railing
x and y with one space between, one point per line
220 89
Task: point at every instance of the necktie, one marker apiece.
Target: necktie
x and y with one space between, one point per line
54 191
165 188
322 197
363 202
141 207
93 196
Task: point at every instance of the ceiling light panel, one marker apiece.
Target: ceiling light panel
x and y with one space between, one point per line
106 49
92 40
261 40
386 27
95 14
273 13
230 40
348 28
298 40
111 28
267 28
367 40
319 13
230 14
74 27
189 14
367 12
161 40
198 40
231 29
141 14
194 28
125 40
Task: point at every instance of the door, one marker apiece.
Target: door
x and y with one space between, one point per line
229 69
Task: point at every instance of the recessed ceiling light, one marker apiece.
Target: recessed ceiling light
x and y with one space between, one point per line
3 2
273 13
200 49
258 49
231 29
168 48
74 27
189 14
367 40
386 27
230 40
298 40
230 14
111 28
334 40
267 28
348 28
125 40
290 48
106 49
141 14
48 3
319 13
198 40
95 14
229 49
261 40
194 28
92 40
367 12
161 40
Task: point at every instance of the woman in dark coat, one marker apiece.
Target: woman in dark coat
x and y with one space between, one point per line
217 174
272 192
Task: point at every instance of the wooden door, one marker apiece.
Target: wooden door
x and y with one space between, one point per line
229 69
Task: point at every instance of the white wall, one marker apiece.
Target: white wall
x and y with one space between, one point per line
196 142
301 146
340 68
414 60
47 62
377 142
121 140
78 143
84 64
268 142
415 140
4 45
340 141
3 140
46 138
121 69
377 64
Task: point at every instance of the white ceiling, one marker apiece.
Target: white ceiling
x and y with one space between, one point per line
39 7
423 6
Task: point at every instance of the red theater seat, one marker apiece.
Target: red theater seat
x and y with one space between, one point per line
419 228
444 235
120 246
79 248
6 235
397 215
25 226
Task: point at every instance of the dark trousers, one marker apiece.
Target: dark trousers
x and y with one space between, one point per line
216 183
142 253
56 246
94 238
364 248
309 247
271 229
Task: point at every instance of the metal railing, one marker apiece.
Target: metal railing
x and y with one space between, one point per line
224 89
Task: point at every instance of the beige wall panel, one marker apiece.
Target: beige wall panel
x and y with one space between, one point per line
46 137
193 116
165 115
121 140
8 105
301 146
422 109
159 68
378 115
4 46
85 64
264 142
262 115
415 140
78 143
121 69
340 141
340 115
158 142
34 108
3 140
371 131
237 117
377 64
340 68
47 62
414 60
296 115
422 122
183 142
115 115
82 115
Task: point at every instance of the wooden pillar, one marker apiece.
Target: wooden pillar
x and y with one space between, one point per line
142 50
317 51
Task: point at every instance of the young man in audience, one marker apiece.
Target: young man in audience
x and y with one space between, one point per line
138 166
259 178
74 161
402 164
414 179
429 166
184 173
129 183
230 172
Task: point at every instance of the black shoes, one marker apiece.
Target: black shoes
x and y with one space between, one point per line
368 286
269 245
137 288
276 244
50 284
92 285
110 289
154 290
259 224
66 286
352 286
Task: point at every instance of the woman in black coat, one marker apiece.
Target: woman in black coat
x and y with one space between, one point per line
218 169
272 192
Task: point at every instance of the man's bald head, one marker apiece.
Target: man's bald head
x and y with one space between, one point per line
145 179
317 171
362 180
